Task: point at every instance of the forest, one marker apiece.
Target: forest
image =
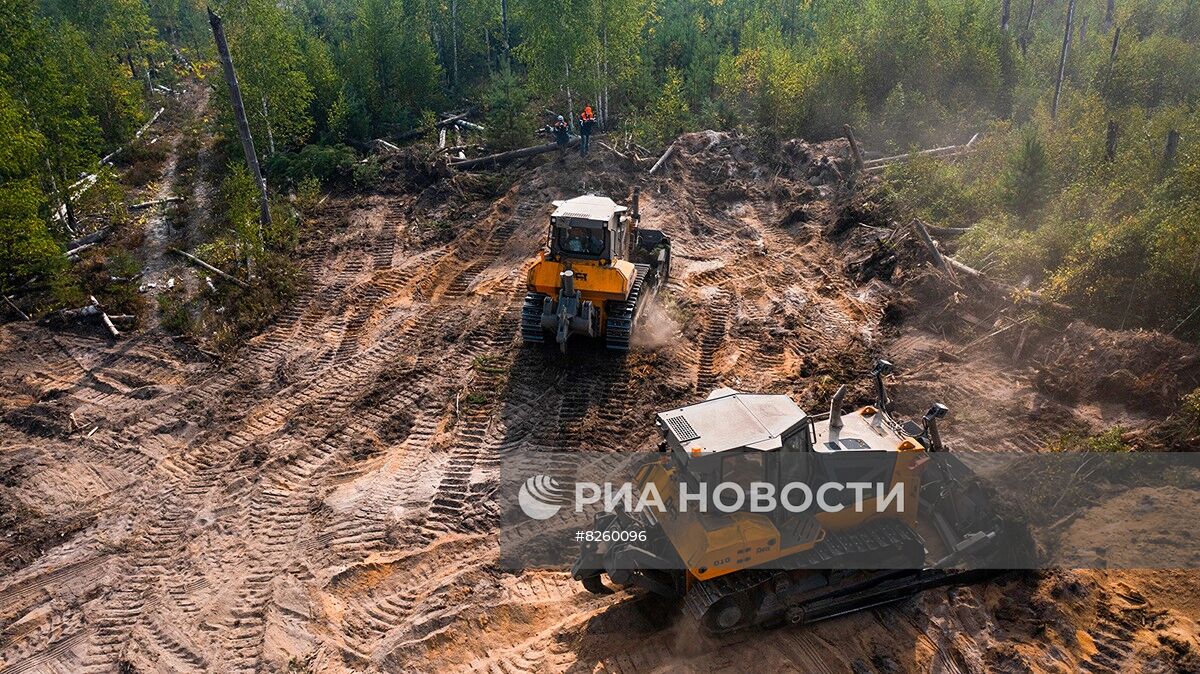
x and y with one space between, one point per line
1084 184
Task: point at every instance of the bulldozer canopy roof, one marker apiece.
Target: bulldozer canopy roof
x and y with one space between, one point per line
731 420
587 207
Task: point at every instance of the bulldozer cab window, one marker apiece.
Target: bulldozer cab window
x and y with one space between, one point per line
574 238
743 467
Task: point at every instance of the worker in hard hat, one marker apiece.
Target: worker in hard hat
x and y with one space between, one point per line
587 122
562 134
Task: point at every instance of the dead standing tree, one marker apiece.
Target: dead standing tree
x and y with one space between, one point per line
1026 35
1169 152
243 126
1062 59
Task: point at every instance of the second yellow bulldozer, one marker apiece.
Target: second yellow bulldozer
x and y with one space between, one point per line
596 273
739 569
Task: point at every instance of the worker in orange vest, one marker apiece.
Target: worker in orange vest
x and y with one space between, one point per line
587 122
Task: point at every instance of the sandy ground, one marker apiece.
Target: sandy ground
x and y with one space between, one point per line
321 501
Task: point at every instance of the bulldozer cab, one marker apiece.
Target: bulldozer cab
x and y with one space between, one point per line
744 438
589 228
739 438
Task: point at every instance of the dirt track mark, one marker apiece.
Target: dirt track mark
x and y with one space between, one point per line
713 339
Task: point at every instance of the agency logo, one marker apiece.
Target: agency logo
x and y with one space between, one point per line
541 497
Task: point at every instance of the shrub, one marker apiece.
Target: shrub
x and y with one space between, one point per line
329 164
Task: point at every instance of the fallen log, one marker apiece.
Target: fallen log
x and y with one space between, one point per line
81 312
384 145
961 351
947 231
511 155
206 266
450 150
464 124
871 165
95 237
92 309
999 287
7 300
155 202
104 318
931 247
612 149
73 254
449 121
137 135
663 159
971 271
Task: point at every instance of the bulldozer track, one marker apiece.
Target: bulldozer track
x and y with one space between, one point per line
472 444
712 339
1113 637
124 609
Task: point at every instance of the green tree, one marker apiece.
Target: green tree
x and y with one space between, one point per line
43 71
389 68
507 107
670 113
557 37
1028 176
265 46
26 247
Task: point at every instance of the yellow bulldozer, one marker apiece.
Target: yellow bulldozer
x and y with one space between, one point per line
595 274
737 569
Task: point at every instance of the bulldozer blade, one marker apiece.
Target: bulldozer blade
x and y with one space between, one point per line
595 585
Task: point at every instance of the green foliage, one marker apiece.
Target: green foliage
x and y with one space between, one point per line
43 70
911 71
26 247
1118 240
1027 179
321 73
576 50
1105 441
265 45
366 173
329 164
507 110
668 118
238 200
308 193
390 70
173 314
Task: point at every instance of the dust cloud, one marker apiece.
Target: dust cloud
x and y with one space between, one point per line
656 328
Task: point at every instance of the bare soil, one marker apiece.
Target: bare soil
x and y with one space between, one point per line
321 500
